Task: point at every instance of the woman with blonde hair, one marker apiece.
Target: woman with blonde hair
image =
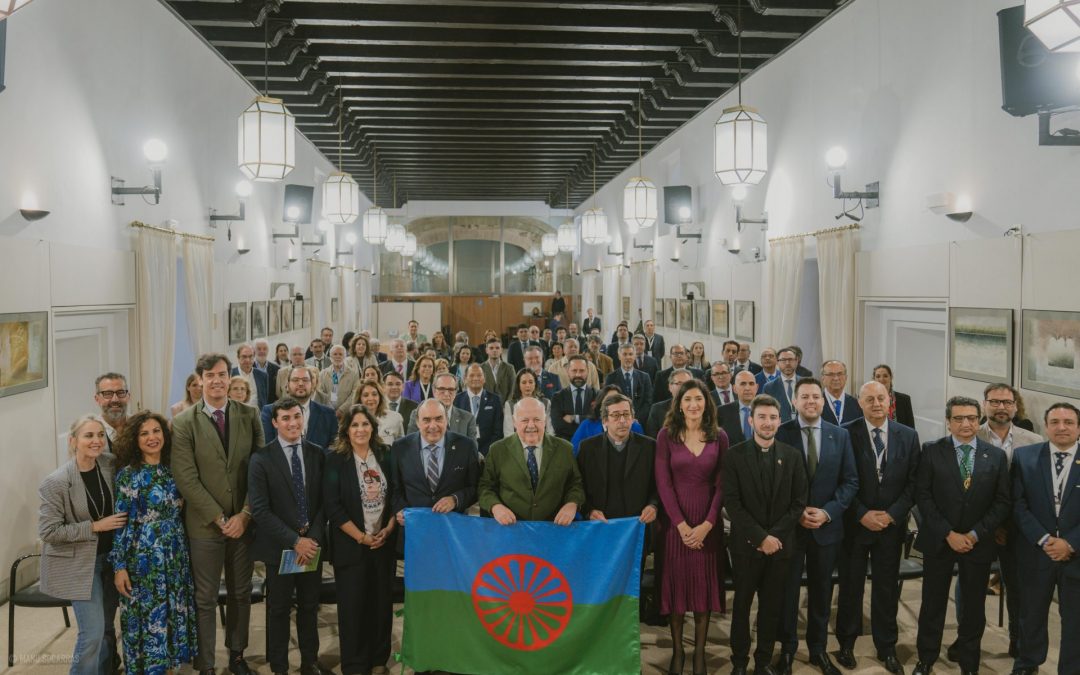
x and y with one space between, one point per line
372 396
239 389
192 393
697 357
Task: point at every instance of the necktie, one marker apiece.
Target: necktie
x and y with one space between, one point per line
836 409
393 405
747 432
401 369
965 465
298 486
1059 461
534 468
640 362
219 422
727 396
577 401
475 405
879 449
628 382
432 470
811 451
787 387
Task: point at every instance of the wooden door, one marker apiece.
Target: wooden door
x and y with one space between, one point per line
475 314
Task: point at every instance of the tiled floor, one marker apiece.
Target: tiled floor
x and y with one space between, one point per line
42 639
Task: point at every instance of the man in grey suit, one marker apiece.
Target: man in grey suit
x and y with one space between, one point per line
212 442
458 421
498 376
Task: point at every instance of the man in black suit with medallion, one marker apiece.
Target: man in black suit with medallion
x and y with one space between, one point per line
963 495
887 457
765 491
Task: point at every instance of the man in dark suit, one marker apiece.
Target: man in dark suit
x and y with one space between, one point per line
320 421
622 337
458 420
659 410
654 342
285 491
743 362
962 491
840 407
547 382
590 323
783 387
800 370
632 382
516 352
485 407
765 490
720 376
643 360
572 404
530 475
399 360
834 480
264 363
498 375
729 352
769 371
679 359
1048 521
433 468
734 418
260 393
887 457
394 384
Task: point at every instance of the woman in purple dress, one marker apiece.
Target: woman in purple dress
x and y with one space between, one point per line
689 454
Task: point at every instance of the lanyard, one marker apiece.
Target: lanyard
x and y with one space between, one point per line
1059 481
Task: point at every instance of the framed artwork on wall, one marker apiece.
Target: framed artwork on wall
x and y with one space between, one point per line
238 322
286 316
306 305
670 313
658 313
686 316
744 320
720 318
701 316
258 319
24 352
981 344
273 317
1050 352
335 309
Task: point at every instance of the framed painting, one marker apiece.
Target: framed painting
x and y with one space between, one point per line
298 314
24 352
686 315
307 307
744 320
273 317
658 312
670 313
981 344
335 309
238 322
720 318
1049 347
258 319
701 316
286 316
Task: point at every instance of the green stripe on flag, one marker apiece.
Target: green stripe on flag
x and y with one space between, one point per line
443 632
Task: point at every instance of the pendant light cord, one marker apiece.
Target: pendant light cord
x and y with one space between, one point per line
640 153
375 175
738 41
340 130
266 55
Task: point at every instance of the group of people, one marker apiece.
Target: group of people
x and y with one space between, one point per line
331 446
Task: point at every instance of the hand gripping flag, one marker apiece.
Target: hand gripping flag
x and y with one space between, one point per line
532 597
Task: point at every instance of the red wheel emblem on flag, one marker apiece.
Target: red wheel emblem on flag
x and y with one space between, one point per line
524 602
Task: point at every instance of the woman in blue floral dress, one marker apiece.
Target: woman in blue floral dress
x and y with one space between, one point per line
150 554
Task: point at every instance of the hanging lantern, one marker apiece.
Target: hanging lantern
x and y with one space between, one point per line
639 203
395 238
266 140
410 245
375 225
1055 22
549 244
567 237
741 146
594 228
340 199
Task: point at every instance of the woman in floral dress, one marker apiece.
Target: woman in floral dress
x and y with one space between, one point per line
150 554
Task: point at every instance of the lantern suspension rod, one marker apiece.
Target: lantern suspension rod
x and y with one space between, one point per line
266 54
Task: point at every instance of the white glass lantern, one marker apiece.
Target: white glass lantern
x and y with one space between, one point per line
567 237
410 245
639 204
266 140
1055 22
549 244
594 228
340 199
395 238
375 225
741 146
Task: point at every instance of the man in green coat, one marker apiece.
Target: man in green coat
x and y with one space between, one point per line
530 476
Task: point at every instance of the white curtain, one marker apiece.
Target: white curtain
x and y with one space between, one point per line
588 294
785 290
836 288
611 313
363 302
321 289
642 291
199 284
155 262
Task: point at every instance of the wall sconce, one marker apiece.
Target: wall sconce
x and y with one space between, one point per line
155 152
685 217
295 234
953 207
738 194
243 191
836 160
29 208
240 248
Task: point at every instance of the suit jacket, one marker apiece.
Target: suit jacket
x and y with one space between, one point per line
836 480
904 412
405 407
648 364
489 420
213 479
612 350
732 397
461 422
1021 438
459 476
515 354
388 365
320 363
271 379
262 384
642 395
756 513
894 493
562 403
945 506
604 364
505 479
731 421
588 324
501 384
656 349
273 503
851 411
343 499
660 382
777 391
763 379
754 368
64 525
322 424
657 414
558 368
638 481
381 357
549 383
348 382
1033 509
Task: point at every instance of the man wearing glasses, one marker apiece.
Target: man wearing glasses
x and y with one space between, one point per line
111 394
963 494
458 421
783 387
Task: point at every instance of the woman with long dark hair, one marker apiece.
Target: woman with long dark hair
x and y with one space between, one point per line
525 385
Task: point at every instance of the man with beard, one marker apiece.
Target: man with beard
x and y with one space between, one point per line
572 404
264 363
320 422
111 394
296 360
559 368
783 387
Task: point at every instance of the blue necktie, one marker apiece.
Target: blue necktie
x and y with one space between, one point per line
432 468
534 468
747 432
298 486
628 382
879 449
836 409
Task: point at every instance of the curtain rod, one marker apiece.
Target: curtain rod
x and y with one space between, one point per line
315 261
136 223
827 230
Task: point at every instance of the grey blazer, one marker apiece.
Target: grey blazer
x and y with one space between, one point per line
461 422
64 521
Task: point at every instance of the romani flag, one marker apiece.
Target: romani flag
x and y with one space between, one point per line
532 597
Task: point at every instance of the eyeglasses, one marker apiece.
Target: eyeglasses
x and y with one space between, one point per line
965 418
446 390
787 359
119 393
618 416
999 403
